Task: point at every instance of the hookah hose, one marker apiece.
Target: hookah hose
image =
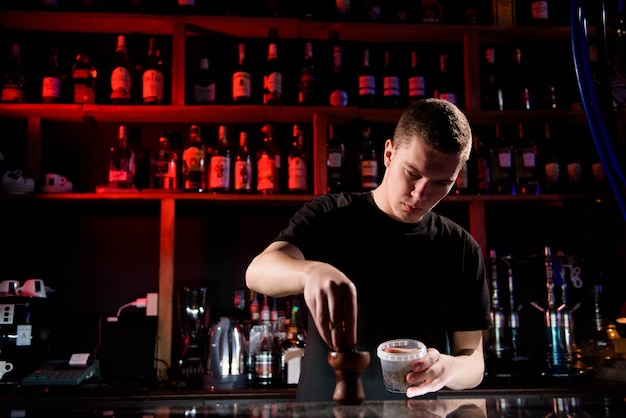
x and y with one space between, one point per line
591 102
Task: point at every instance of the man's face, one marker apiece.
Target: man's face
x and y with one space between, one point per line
416 179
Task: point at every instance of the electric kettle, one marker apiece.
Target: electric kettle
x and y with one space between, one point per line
228 349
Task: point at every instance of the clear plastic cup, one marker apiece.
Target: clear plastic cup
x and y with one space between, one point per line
396 365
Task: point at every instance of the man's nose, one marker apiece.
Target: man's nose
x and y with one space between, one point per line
420 189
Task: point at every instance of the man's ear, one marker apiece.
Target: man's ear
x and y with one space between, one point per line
388 153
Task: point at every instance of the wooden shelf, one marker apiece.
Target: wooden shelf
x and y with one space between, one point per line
256 27
253 114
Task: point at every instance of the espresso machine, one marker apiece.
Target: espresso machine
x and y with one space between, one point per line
25 334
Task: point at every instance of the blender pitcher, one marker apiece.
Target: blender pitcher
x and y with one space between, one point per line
194 320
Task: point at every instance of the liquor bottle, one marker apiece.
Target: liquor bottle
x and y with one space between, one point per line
122 162
194 162
556 349
335 159
446 89
186 6
372 11
600 182
574 168
599 350
482 164
462 182
514 321
164 165
297 163
84 77
391 84
416 80
306 78
526 163
121 76
491 89
540 12
517 91
503 164
268 163
273 78
498 350
13 81
400 11
141 176
242 88
551 162
368 161
153 77
367 82
338 96
52 79
203 88
431 11
342 10
243 166
255 308
219 166
265 359
292 350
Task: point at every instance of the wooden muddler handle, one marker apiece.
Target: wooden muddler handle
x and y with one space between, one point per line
348 367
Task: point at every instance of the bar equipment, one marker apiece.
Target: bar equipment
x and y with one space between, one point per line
194 318
499 345
26 325
228 351
556 349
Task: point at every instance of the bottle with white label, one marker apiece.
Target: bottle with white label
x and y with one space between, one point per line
242 87
368 161
446 88
242 175
153 77
338 95
219 166
51 82
268 163
367 82
273 78
391 84
204 84
13 80
526 162
122 162
297 163
121 76
194 162
164 165
416 80
503 164
540 12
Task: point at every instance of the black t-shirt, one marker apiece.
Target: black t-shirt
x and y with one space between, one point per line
419 281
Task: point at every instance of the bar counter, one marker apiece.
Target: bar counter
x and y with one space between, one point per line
586 405
594 398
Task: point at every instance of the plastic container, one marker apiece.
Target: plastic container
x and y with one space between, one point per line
395 366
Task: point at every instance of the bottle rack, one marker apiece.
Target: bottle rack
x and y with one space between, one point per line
38 116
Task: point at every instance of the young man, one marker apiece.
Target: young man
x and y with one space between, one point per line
381 265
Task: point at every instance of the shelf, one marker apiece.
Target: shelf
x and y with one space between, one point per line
256 27
253 114
281 199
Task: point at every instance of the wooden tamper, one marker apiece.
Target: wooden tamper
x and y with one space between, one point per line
348 367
